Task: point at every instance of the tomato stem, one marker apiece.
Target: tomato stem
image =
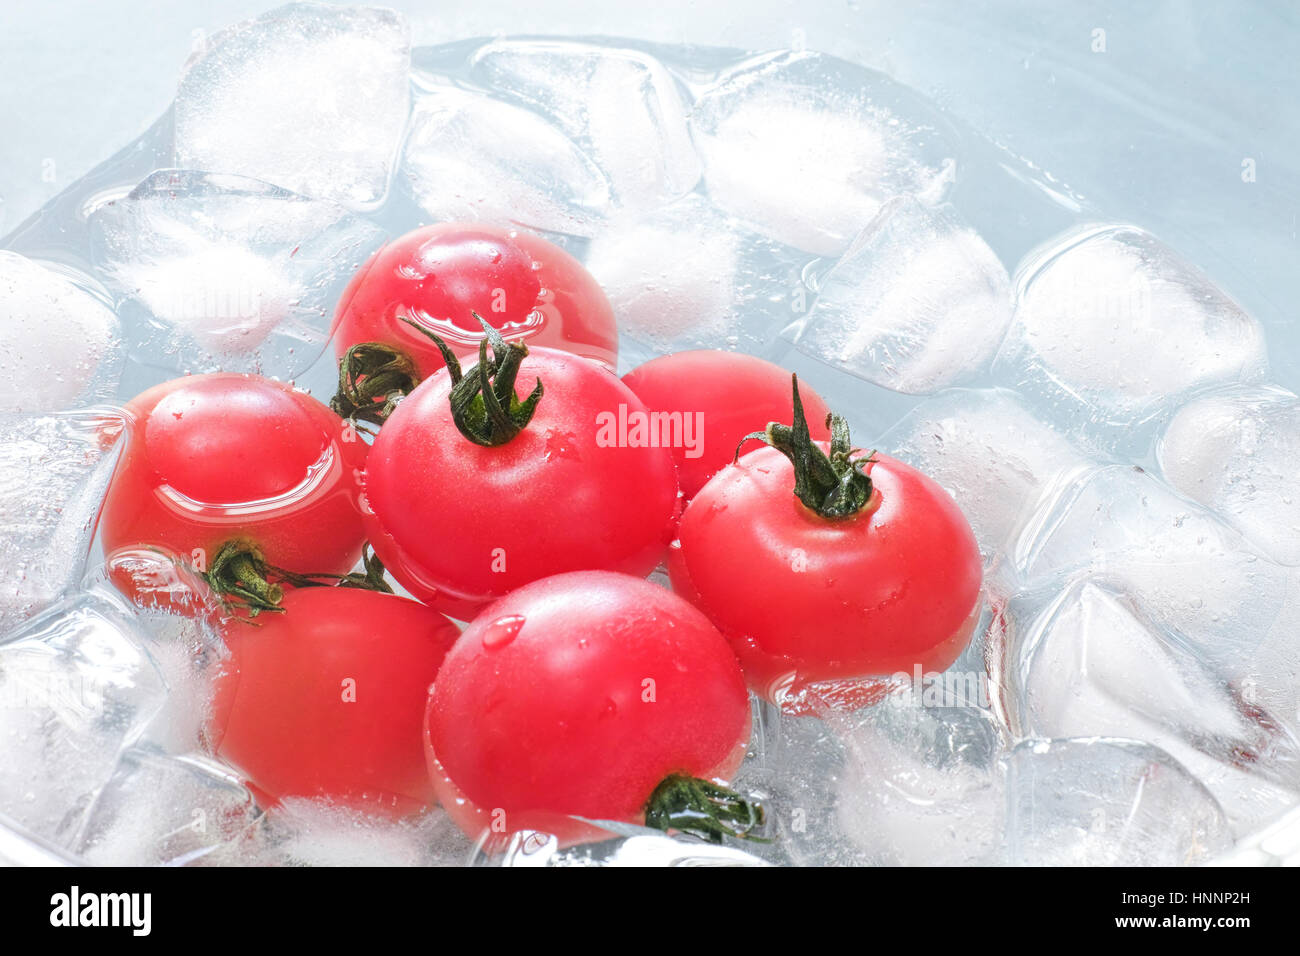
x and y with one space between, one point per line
703 809
371 579
372 377
835 485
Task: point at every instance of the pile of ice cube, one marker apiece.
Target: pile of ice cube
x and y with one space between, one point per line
1104 417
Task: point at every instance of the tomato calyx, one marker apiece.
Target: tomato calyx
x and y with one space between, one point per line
484 405
373 377
833 486
243 579
703 809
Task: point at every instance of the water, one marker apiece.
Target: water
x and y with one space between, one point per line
721 197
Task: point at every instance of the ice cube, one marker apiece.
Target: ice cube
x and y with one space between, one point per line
77 687
473 157
54 471
162 810
1235 451
225 272
59 344
621 105
921 784
1112 326
640 847
309 96
307 832
918 302
988 451
1090 664
688 276
1107 802
806 148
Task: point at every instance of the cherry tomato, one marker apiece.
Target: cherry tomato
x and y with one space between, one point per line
863 577
438 275
579 695
212 459
718 397
460 524
326 699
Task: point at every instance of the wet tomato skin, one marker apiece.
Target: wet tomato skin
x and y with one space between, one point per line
327 698
213 458
460 524
577 695
728 395
806 599
523 285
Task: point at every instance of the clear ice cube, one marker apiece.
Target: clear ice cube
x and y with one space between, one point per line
308 832
224 272
807 149
312 97
59 343
54 471
645 848
917 303
473 157
622 105
1235 451
1107 802
1112 327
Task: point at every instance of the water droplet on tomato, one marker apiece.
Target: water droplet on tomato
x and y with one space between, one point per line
502 631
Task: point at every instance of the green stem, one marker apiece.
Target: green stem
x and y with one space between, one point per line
835 485
240 577
372 377
703 809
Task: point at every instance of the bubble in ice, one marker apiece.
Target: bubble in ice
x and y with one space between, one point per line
1235 452
315 832
59 343
54 472
224 272
918 302
309 96
621 105
1107 802
987 450
473 157
1111 326
807 148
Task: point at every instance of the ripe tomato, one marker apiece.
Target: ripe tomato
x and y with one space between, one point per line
872 570
213 459
436 276
326 699
460 521
580 695
717 397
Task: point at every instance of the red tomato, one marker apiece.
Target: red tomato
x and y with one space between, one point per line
216 458
326 699
808 599
436 276
718 398
460 524
579 695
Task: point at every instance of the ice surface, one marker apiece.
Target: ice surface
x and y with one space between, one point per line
623 106
689 276
311 97
54 471
644 848
918 302
988 451
306 832
1090 664
58 342
1107 802
77 687
473 157
162 810
807 149
1235 451
225 272
1112 325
